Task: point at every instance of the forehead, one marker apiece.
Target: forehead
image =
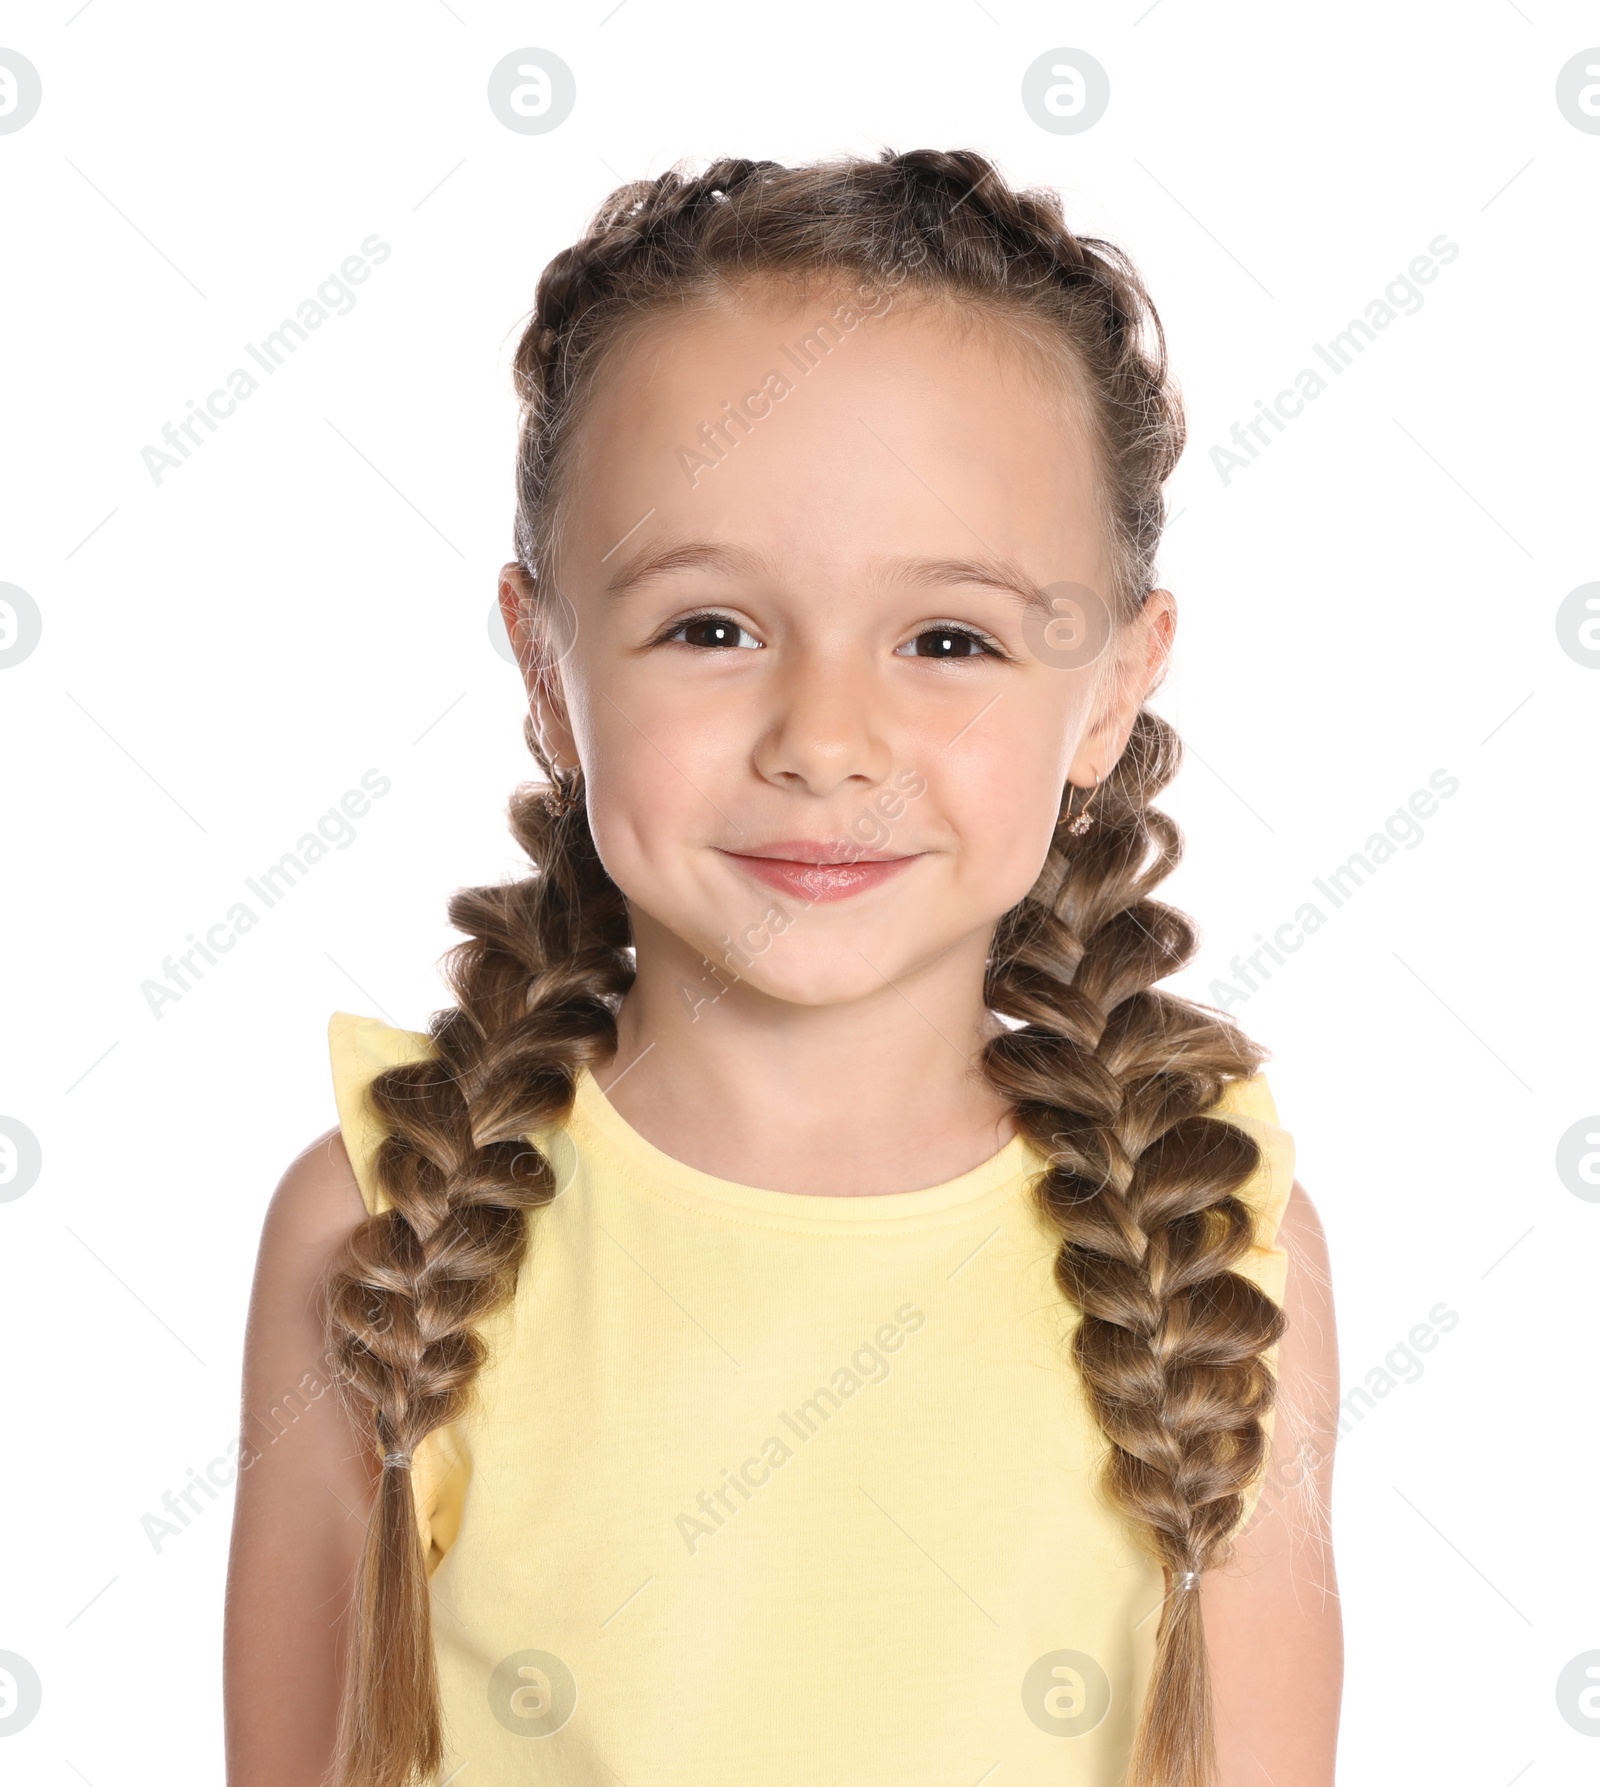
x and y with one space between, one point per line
795 421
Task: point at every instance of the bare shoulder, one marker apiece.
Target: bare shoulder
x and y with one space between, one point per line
1272 1618
1307 1400
1307 1419
318 1200
312 1212
304 1486
1302 1221
1308 1290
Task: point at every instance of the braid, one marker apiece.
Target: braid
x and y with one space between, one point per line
1111 1079
536 985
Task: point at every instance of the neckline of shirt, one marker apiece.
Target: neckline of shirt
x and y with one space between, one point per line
596 1121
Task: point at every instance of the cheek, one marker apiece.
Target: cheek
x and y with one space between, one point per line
638 804
653 788
651 730
1007 840
1004 798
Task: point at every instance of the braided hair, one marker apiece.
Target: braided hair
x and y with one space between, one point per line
1110 1078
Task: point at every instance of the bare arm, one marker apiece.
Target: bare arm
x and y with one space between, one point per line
1272 1618
305 1486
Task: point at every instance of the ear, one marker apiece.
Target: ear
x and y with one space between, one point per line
542 677
1141 666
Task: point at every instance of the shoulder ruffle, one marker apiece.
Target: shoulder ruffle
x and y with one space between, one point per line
359 1050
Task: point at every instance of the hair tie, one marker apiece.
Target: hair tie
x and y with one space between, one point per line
1187 1580
400 1461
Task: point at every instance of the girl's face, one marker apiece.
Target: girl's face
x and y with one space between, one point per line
824 706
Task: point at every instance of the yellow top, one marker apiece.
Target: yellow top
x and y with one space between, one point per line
768 1487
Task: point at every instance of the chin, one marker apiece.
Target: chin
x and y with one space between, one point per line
837 965
831 984
832 973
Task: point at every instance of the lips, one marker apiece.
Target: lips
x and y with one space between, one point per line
819 872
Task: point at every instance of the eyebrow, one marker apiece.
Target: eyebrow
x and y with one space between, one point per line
994 572
687 555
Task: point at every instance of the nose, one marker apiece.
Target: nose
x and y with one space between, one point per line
826 728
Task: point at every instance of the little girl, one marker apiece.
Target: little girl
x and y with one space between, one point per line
813 1310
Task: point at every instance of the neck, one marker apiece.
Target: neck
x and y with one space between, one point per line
879 1094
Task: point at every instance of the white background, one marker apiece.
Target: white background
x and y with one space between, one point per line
307 598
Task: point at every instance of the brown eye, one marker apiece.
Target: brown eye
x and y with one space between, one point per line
712 632
949 643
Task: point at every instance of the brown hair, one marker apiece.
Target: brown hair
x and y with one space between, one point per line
1110 1078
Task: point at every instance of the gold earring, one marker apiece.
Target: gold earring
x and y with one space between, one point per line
1078 823
565 793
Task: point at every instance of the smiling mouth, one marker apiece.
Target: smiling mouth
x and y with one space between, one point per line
817 873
